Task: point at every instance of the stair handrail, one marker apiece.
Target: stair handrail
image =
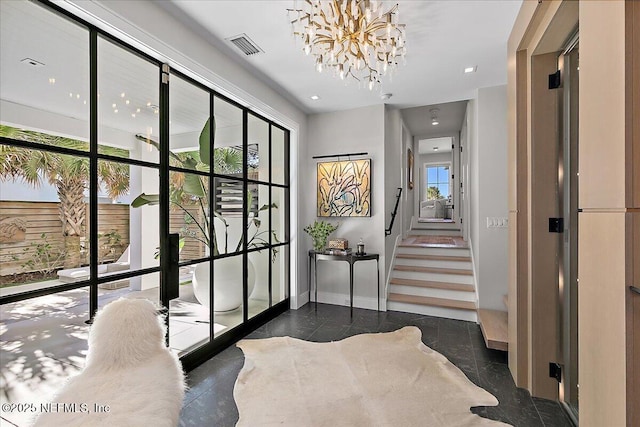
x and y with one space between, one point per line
387 232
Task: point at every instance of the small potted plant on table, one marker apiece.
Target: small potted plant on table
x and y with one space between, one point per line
319 232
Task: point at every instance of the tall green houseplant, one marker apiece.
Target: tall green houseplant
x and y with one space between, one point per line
191 190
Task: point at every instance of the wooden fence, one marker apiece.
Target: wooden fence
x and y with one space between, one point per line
41 218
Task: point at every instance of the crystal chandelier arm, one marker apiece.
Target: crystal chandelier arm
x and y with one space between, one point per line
354 36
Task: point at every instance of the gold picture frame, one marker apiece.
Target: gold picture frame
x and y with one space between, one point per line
409 168
344 188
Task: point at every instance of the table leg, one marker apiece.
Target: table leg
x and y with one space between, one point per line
351 285
315 281
378 265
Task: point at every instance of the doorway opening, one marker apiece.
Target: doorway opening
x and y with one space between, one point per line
568 195
436 180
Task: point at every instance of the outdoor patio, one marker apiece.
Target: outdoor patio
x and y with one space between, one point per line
44 340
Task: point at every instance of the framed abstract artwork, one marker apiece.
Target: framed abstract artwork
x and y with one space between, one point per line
344 188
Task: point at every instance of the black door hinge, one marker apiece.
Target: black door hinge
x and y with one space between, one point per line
556 225
554 80
555 371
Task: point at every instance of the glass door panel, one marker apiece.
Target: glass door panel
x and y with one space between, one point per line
188 115
44 341
279 274
189 313
37 90
259 296
228 139
257 148
279 148
228 293
128 104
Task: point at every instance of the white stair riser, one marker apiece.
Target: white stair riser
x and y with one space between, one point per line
449 313
431 292
433 277
458 265
427 232
436 226
433 251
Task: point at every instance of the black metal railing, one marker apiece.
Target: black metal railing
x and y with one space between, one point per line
387 232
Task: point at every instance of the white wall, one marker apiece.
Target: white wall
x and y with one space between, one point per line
153 30
351 131
393 174
487 130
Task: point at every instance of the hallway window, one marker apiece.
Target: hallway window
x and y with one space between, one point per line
437 182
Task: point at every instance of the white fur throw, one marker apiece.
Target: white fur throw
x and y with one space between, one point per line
130 378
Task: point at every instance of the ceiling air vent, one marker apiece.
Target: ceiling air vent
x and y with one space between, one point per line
32 62
245 44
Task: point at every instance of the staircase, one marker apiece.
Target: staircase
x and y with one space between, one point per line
433 275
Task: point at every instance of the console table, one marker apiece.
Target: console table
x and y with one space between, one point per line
352 258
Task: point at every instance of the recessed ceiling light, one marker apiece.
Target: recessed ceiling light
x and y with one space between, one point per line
435 148
315 97
468 70
435 122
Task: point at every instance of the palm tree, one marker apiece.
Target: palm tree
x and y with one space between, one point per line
68 174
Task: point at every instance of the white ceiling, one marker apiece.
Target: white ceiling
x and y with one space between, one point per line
450 117
435 145
443 37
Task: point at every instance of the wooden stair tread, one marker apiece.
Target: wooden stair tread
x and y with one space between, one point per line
434 257
435 270
493 324
431 284
431 245
432 301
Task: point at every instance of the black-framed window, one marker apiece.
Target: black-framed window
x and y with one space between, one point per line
112 113
437 180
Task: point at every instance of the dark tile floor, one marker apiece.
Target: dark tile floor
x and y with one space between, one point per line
209 401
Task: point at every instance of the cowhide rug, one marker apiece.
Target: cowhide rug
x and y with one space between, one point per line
386 379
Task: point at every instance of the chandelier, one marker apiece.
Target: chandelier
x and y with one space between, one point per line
352 37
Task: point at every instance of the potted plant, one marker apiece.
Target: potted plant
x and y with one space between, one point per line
190 194
319 232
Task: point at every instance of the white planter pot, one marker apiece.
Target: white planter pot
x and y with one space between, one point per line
227 283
